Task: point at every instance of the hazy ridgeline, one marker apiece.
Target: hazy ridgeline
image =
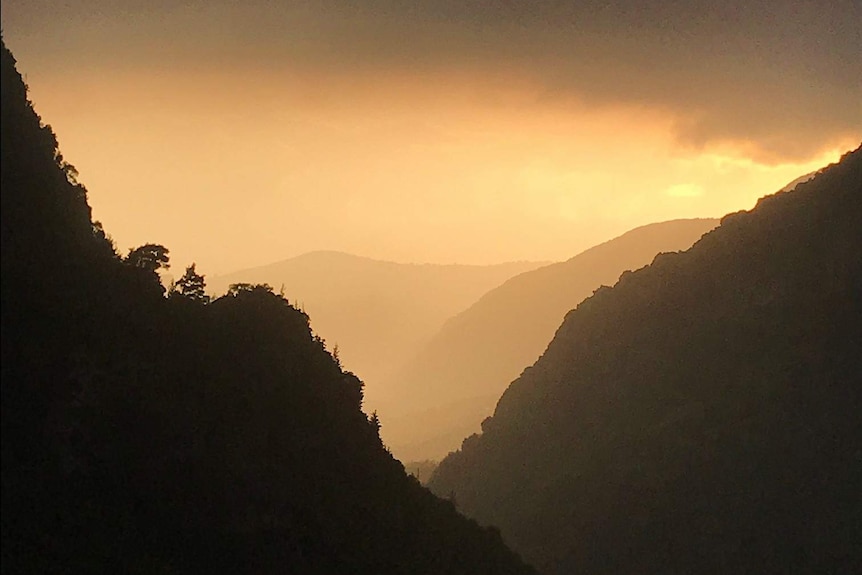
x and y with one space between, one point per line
378 313
444 392
701 416
151 434
431 392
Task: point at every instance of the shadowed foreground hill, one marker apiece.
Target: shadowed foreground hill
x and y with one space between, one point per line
458 377
701 416
377 312
145 434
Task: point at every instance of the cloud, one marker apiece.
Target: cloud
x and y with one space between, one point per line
779 81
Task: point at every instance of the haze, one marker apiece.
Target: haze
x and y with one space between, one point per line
239 134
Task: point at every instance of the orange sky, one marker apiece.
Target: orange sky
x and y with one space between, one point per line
235 162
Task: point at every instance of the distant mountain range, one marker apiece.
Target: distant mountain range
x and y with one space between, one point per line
454 382
702 415
378 313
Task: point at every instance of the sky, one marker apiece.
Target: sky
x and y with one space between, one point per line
243 133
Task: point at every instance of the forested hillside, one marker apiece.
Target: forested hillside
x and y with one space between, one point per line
440 397
145 432
701 416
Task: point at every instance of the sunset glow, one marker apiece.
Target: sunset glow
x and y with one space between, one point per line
521 287
251 153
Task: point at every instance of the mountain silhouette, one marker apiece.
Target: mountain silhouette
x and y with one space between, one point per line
151 434
377 312
454 382
801 179
701 416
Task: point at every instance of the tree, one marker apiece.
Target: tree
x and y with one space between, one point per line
335 355
191 286
104 238
151 257
239 288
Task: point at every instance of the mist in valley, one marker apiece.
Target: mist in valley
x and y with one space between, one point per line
441 288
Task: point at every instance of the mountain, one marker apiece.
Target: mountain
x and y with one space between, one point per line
377 312
151 434
801 179
701 416
441 396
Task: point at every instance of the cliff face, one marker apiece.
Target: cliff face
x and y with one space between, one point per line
699 416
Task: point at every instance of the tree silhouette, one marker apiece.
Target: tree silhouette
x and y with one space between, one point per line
140 434
191 286
240 288
151 257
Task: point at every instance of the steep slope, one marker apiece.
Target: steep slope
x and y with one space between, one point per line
145 434
377 312
701 416
456 380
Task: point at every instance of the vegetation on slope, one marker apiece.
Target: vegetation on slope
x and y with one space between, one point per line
152 434
701 416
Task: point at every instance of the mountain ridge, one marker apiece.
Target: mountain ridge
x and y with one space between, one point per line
468 363
699 416
377 312
349 256
153 432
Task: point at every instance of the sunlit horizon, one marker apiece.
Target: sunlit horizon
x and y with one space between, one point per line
490 184
240 137
439 286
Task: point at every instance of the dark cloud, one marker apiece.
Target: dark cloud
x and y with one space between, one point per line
782 78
